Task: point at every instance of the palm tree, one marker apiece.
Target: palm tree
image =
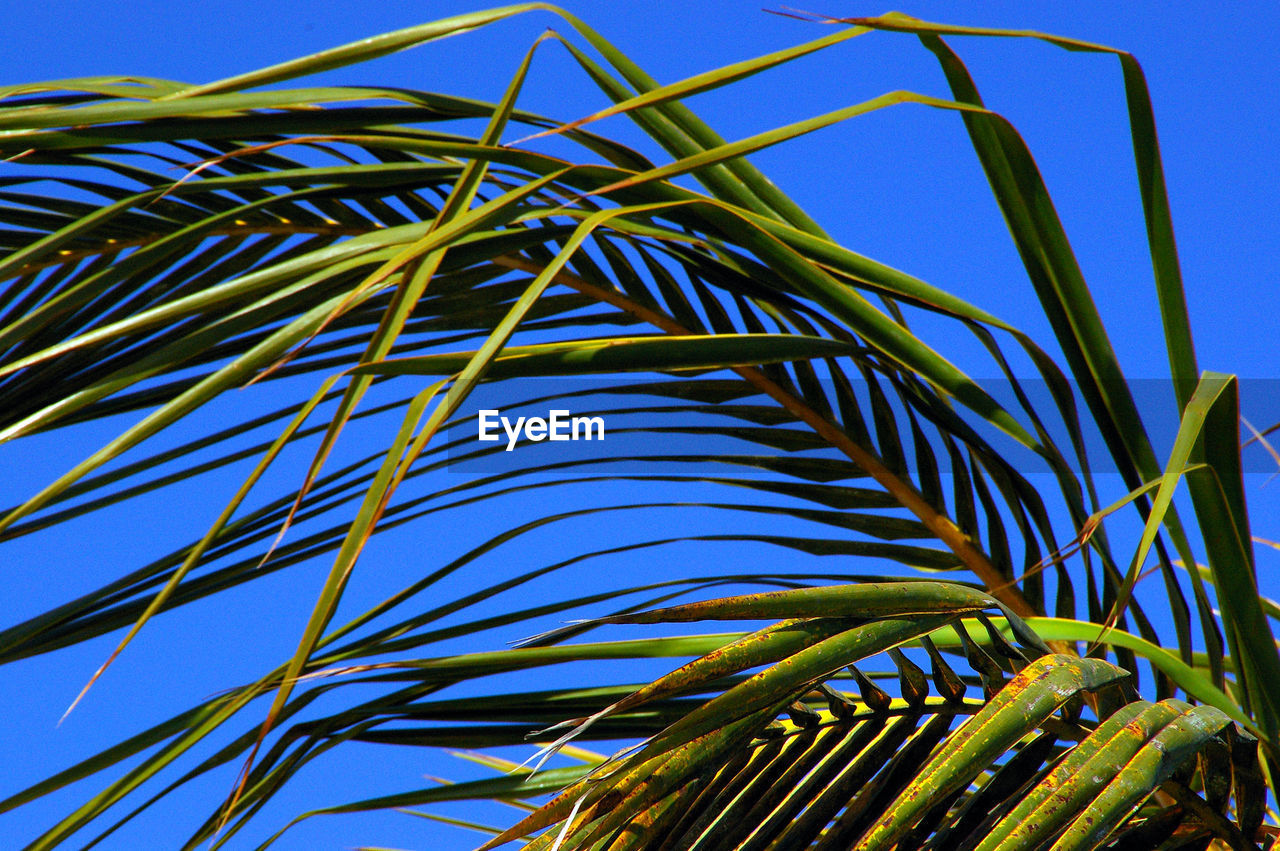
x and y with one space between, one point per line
375 271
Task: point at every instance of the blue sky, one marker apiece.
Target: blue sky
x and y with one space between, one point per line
901 186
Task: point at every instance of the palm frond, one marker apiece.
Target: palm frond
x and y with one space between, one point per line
375 261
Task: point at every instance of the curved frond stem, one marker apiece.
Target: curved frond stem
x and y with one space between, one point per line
937 522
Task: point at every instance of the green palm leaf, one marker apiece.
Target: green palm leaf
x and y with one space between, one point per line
337 246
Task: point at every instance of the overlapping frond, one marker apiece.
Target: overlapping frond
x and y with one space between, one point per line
380 260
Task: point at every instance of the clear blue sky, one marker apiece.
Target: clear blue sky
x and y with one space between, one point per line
901 186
